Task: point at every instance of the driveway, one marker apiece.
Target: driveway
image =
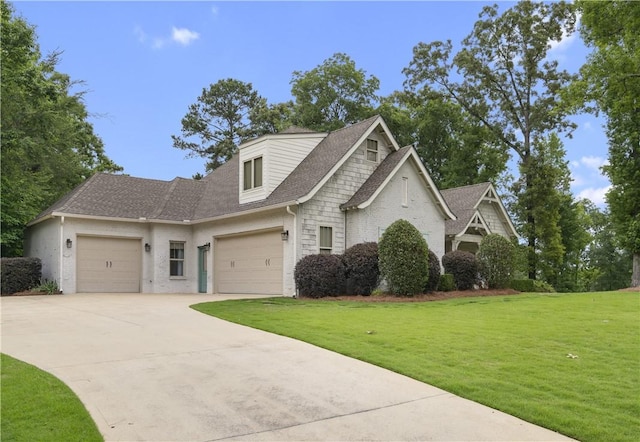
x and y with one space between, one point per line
147 367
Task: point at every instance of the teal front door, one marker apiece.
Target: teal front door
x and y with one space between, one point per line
202 269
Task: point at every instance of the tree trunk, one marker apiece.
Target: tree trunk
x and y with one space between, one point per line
635 275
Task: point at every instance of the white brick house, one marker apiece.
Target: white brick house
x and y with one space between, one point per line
242 228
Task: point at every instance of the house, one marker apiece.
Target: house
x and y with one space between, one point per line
479 212
242 228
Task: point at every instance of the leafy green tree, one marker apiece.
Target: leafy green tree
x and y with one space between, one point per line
496 260
219 121
404 258
611 79
454 147
48 146
506 82
333 94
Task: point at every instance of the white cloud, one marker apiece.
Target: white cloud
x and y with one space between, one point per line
183 36
593 162
596 195
140 34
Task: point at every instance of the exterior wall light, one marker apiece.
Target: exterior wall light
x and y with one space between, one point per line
147 247
285 235
207 246
69 243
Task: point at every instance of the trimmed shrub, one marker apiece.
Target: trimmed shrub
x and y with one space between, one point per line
361 268
19 274
464 268
404 259
542 287
434 272
446 283
523 285
496 260
318 276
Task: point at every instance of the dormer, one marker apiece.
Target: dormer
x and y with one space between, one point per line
266 161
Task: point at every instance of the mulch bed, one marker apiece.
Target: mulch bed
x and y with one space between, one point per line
435 296
31 293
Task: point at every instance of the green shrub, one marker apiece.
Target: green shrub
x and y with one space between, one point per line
542 287
361 268
496 260
434 272
19 274
404 259
48 287
464 268
317 276
523 285
446 283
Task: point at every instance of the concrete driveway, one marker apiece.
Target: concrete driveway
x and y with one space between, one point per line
147 367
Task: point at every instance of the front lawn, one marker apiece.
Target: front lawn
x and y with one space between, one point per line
570 363
36 406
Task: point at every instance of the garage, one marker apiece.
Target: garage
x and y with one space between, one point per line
249 264
108 265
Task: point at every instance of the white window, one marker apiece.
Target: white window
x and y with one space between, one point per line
176 258
405 191
372 150
252 173
326 240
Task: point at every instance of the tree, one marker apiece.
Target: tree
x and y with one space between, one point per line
454 147
505 81
48 146
219 121
611 79
333 94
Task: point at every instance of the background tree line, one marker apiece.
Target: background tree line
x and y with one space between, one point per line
468 113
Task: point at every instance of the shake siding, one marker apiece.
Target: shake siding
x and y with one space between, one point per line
324 208
491 216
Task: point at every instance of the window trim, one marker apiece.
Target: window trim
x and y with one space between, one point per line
323 249
405 191
172 259
372 147
253 173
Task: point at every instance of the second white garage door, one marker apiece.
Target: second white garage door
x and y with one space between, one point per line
108 265
249 264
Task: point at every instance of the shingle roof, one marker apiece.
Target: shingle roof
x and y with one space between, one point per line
121 196
462 202
377 178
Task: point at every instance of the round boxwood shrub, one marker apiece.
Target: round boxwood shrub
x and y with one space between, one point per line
318 276
361 268
434 272
404 259
496 260
464 268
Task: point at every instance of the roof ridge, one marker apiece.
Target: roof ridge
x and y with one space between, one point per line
165 200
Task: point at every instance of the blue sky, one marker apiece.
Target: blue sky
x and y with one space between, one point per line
144 63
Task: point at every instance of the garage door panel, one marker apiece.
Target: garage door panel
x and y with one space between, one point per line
110 265
250 264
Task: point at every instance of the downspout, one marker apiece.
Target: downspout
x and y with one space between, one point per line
294 236
60 264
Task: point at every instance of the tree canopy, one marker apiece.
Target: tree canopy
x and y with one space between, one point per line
48 144
611 80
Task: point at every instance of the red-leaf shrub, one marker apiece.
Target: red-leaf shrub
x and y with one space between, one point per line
361 268
318 276
464 268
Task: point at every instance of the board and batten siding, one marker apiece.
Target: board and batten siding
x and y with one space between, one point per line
367 224
324 208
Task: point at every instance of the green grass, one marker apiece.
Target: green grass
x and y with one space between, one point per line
510 353
36 406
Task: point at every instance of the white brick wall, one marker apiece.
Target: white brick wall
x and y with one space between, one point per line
367 224
43 241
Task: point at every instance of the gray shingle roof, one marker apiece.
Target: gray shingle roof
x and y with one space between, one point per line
376 179
121 196
462 202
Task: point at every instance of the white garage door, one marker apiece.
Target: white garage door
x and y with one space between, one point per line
249 264
108 265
